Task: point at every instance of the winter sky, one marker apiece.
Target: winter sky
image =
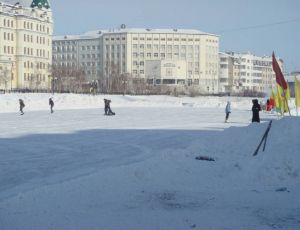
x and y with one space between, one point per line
266 21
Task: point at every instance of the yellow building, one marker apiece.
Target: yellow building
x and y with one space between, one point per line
25 46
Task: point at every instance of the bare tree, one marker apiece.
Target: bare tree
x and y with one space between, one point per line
5 77
68 79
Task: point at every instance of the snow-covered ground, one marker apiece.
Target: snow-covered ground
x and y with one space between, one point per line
77 169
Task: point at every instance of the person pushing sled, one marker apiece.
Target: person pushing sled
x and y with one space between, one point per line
107 108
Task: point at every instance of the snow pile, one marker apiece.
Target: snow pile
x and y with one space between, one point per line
137 170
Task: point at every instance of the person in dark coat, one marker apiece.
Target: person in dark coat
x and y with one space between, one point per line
22 105
51 103
255 111
227 111
107 109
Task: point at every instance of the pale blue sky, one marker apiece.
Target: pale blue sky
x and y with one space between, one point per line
214 16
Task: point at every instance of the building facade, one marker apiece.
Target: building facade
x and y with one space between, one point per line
79 53
134 51
25 46
240 72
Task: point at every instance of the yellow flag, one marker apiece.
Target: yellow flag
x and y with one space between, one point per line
287 92
276 100
297 92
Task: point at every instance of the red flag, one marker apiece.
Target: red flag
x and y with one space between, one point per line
279 76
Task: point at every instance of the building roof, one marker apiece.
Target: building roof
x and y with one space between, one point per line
40 4
76 37
158 31
99 33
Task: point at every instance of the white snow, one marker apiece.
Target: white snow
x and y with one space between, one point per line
77 169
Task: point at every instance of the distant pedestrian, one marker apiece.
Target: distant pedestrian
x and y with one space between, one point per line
255 111
51 103
107 109
22 105
227 111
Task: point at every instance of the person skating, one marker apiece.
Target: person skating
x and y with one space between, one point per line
51 103
255 111
22 105
107 109
227 111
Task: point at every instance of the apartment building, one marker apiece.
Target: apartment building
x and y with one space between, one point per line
241 72
25 45
135 50
140 52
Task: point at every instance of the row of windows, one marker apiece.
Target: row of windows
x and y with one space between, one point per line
168 55
8 36
34 78
8 23
73 48
248 74
169 72
114 48
166 39
74 56
62 43
117 39
39 40
84 64
64 49
8 50
39 52
211 40
63 57
91 64
39 27
90 56
39 65
90 47
169 47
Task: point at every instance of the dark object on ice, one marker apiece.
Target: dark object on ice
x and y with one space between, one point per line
51 103
264 138
22 105
283 189
107 109
255 111
204 158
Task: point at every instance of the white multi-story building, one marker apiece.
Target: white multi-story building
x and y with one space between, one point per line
185 57
135 50
241 72
25 45
82 52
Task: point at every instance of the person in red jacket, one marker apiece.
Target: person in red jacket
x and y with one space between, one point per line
268 106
